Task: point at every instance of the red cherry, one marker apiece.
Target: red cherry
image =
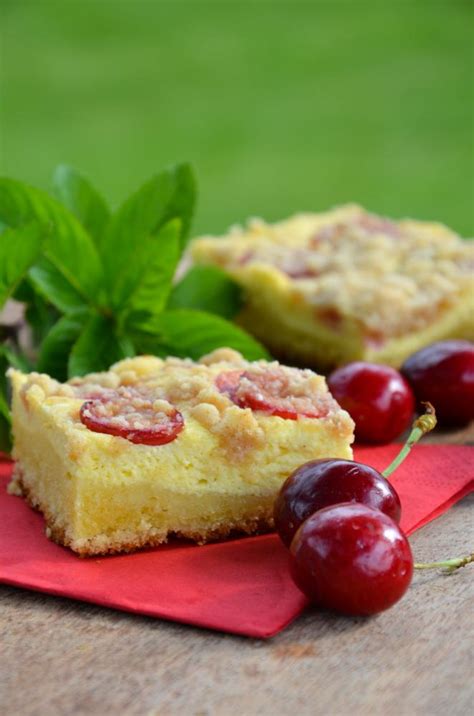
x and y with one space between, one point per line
443 374
320 483
377 397
128 415
352 559
269 391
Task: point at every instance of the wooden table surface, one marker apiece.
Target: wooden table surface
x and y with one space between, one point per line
63 657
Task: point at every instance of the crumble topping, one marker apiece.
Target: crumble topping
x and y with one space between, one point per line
277 390
95 382
129 407
388 277
148 400
206 414
133 414
239 443
44 386
223 355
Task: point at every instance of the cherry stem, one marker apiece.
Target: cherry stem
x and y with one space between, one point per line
421 426
449 564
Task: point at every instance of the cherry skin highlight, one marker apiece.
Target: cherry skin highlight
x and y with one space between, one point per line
443 374
325 482
351 559
377 397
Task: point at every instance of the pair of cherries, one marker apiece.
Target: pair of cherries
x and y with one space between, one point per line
339 519
381 400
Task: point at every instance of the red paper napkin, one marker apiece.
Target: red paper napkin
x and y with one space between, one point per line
241 586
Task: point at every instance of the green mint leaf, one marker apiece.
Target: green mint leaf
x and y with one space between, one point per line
15 358
167 196
39 313
208 289
97 347
189 333
4 366
77 193
24 292
146 286
5 420
19 249
5 427
151 343
70 257
55 349
5 436
8 357
55 288
183 201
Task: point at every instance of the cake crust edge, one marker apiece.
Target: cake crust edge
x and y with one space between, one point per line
103 545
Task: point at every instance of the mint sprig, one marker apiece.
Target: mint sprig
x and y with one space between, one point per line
97 285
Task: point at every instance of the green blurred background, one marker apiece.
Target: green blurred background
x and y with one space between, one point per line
281 106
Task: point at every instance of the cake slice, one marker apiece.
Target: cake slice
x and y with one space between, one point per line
123 459
325 289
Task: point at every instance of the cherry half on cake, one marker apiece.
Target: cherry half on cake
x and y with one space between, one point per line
443 373
378 398
325 482
276 390
128 414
